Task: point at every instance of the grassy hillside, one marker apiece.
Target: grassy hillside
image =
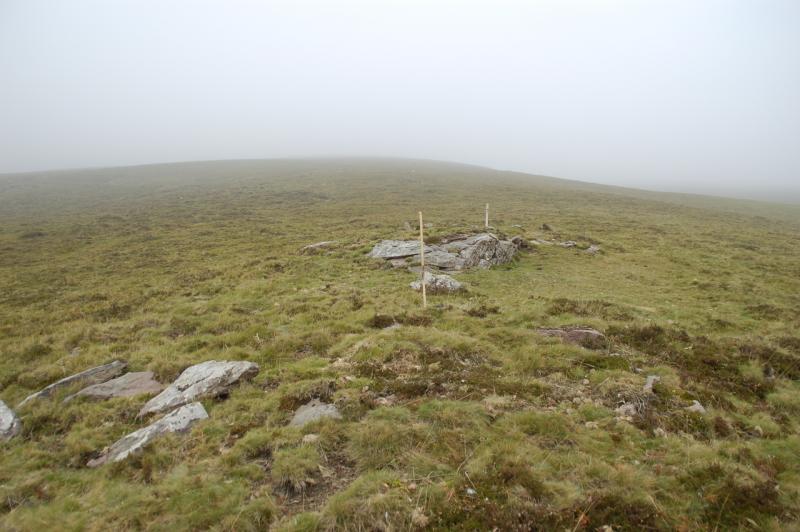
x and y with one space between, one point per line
463 416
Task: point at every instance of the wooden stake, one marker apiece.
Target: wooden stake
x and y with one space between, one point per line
422 261
486 222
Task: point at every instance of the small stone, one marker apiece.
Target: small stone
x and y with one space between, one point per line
592 425
759 431
569 244
438 283
651 380
312 411
626 409
585 382
309 439
412 486
317 248
593 250
696 407
471 492
659 432
10 425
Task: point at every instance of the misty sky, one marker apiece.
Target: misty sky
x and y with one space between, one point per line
690 95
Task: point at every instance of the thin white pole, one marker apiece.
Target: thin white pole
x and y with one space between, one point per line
422 261
486 220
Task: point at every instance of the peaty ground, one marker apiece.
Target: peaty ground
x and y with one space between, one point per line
461 417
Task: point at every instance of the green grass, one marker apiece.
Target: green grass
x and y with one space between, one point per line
169 265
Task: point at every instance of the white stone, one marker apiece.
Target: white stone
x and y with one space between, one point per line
10 424
207 379
312 411
176 421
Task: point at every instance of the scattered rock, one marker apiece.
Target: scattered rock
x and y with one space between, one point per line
659 432
318 247
128 385
176 421
626 409
437 283
651 380
312 411
583 336
593 250
10 425
696 407
569 244
453 253
208 379
310 439
90 376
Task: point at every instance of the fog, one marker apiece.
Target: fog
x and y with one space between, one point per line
686 95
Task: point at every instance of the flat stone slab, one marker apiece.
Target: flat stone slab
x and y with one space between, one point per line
10 425
90 376
207 379
312 411
454 253
583 336
437 283
176 421
128 385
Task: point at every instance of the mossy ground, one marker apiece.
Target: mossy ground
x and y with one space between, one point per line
463 417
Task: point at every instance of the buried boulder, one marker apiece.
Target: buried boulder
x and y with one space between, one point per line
452 253
583 336
312 411
10 424
128 385
437 284
90 376
179 420
207 379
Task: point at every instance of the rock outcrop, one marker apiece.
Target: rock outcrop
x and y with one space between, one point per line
312 411
176 421
453 253
10 424
437 284
207 379
90 376
128 385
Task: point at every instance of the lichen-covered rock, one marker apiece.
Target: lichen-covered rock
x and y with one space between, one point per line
128 385
90 376
176 421
312 411
437 283
207 379
10 424
454 253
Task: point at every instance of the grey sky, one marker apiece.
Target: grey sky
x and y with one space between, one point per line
680 94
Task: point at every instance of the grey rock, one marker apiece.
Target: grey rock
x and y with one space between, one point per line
10 424
455 253
696 407
626 409
207 379
396 249
651 380
128 385
90 376
312 411
318 247
568 244
176 421
593 250
580 335
437 283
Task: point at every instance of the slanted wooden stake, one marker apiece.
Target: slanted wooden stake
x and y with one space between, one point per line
486 221
422 261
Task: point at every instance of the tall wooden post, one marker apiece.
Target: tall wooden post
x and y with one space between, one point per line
422 261
486 220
